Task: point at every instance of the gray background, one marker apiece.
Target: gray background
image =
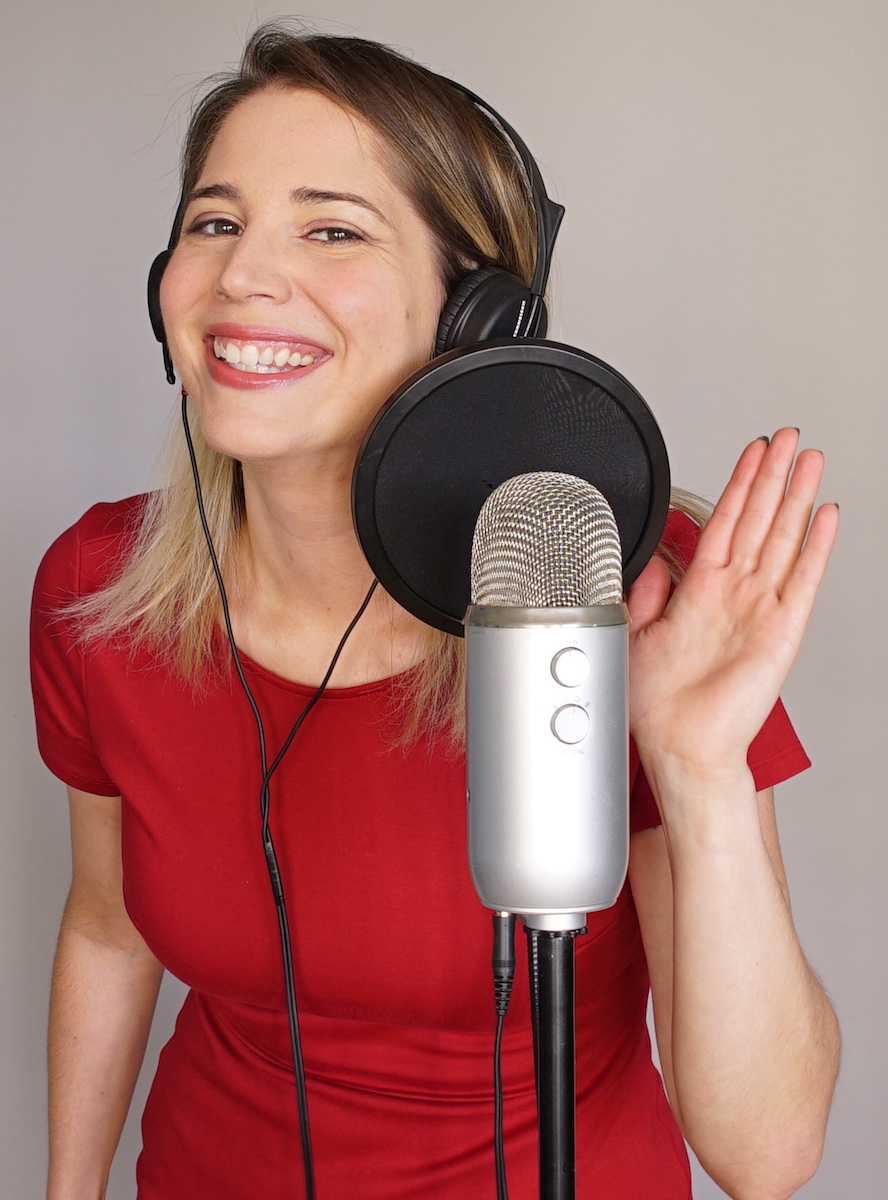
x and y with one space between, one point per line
723 168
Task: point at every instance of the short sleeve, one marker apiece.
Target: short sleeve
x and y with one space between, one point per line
73 566
776 754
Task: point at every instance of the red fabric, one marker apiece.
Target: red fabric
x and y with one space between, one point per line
392 948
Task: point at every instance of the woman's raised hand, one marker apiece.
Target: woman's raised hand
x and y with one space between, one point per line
706 665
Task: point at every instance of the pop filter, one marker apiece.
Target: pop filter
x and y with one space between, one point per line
475 417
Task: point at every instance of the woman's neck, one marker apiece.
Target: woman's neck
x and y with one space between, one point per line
301 578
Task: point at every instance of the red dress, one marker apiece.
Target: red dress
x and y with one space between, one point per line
392 948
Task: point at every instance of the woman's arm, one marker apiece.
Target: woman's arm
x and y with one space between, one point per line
105 984
748 1040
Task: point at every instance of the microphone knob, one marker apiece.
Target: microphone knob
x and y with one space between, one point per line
570 667
570 724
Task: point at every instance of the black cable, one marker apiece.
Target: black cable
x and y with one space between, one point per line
503 977
265 806
277 888
499 1150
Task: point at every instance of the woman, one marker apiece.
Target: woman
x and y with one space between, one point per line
334 194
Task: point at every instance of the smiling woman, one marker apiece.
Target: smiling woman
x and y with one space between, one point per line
333 193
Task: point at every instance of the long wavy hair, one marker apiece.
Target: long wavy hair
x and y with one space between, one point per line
464 179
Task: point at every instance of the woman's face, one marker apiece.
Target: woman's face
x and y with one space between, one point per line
304 287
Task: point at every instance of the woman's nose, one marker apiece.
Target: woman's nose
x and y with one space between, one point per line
255 268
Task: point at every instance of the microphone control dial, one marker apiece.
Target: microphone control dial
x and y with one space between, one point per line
570 724
570 667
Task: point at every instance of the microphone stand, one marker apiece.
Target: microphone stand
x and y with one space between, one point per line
551 958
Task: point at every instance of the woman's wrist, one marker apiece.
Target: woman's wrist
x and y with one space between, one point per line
709 804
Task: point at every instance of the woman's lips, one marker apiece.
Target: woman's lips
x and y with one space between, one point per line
244 357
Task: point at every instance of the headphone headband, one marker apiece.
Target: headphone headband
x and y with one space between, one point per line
548 214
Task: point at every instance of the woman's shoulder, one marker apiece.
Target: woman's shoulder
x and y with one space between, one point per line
110 520
83 557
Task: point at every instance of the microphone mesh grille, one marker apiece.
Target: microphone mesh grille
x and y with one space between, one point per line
546 540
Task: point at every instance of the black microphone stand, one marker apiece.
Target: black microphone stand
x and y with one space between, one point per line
551 959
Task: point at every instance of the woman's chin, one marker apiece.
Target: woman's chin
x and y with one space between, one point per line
263 445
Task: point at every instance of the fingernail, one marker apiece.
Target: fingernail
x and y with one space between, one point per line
764 438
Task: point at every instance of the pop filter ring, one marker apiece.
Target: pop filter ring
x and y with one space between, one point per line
385 438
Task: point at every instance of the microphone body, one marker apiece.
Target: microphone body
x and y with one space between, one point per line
547 724
547 760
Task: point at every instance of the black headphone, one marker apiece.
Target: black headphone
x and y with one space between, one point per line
489 302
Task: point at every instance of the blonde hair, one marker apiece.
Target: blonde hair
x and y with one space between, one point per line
465 181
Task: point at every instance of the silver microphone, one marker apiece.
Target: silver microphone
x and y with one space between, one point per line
547 726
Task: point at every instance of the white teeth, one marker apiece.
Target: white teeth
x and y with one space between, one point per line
269 360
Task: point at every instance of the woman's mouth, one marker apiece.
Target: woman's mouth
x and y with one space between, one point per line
265 357
246 358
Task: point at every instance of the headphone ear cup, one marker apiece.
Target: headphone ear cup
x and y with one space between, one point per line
154 277
488 303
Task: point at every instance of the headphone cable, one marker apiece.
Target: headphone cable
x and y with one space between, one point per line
265 804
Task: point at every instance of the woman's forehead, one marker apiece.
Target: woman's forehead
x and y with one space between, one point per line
301 129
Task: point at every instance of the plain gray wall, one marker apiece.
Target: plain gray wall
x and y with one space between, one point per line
723 167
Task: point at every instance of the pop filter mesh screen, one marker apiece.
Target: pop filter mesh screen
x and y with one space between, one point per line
467 436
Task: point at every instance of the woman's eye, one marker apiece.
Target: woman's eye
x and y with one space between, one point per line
216 227
335 235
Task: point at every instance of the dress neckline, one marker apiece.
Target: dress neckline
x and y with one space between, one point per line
390 682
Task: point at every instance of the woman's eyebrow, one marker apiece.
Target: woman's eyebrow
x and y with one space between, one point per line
215 191
308 195
301 195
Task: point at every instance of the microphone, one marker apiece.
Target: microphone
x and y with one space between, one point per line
547 724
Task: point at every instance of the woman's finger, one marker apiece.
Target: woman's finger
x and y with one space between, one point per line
765 499
790 525
800 588
648 595
714 546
